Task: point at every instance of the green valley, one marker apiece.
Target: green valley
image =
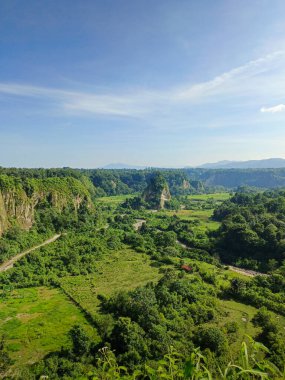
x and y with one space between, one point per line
140 280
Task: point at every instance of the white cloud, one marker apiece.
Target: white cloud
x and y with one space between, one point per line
248 80
231 81
279 108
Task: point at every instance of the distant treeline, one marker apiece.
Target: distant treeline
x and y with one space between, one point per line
233 178
117 181
180 181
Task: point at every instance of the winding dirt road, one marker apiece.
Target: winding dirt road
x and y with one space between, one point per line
9 264
246 272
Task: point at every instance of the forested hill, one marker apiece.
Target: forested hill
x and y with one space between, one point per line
233 178
180 181
185 181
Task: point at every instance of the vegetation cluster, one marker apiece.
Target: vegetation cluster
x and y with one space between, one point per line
119 266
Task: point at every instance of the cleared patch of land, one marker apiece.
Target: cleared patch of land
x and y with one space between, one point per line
36 321
125 269
115 200
203 216
213 196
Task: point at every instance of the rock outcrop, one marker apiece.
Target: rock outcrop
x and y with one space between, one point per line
19 198
157 192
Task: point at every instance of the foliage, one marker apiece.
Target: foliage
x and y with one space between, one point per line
119 264
252 233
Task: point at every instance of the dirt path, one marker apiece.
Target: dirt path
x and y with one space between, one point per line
246 272
9 264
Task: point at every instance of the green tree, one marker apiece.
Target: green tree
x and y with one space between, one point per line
80 340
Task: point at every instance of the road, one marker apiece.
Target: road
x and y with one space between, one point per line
246 272
9 264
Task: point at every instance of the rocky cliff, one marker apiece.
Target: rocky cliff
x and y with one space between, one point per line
19 198
157 192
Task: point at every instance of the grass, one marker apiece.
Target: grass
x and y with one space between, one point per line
243 314
36 321
204 217
123 270
115 200
232 311
214 196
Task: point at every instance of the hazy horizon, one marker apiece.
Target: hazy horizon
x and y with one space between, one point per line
124 165
162 84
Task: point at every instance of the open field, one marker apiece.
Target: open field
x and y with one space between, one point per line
214 196
204 217
243 314
36 321
202 210
123 270
115 200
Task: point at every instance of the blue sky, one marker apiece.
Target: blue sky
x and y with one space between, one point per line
148 82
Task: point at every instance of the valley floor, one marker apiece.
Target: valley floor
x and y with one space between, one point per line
35 321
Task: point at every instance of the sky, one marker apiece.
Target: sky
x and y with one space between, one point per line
165 83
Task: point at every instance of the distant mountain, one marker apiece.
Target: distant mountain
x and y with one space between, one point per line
270 163
123 166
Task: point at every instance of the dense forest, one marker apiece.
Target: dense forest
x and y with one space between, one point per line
252 233
137 288
180 181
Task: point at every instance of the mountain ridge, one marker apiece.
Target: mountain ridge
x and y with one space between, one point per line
268 163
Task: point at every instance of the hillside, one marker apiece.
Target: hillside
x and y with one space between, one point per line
184 181
141 287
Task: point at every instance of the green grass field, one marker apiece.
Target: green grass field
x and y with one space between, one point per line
123 270
36 321
115 200
204 217
214 196
199 211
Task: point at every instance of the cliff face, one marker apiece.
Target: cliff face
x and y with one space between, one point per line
164 197
157 192
17 206
3 216
20 198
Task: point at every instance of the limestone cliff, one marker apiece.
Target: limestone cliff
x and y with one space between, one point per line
19 198
157 192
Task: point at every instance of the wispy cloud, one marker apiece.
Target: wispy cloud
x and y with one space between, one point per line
139 103
74 100
227 81
278 108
